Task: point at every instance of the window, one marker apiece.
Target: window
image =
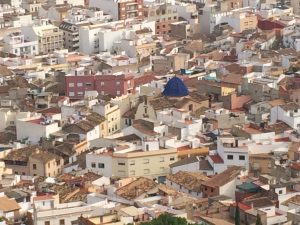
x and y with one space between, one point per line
71 84
80 93
146 171
172 158
102 83
147 147
79 84
34 166
71 94
88 84
157 27
47 222
48 165
146 161
191 107
93 165
62 222
121 163
118 83
101 165
132 163
241 157
280 192
146 110
230 157
118 92
132 172
162 159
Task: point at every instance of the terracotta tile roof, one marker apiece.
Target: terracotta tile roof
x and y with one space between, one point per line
185 161
6 137
295 166
43 198
95 118
130 113
144 79
8 205
242 206
294 147
190 180
216 159
4 89
144 127
205 165
82 127
136 188
52 110
5 72
259 202
44 156
224 177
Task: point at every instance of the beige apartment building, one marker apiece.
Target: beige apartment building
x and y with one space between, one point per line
32 161
152 164
49 37
296 6
112 116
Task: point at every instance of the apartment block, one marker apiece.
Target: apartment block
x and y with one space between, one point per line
80 81
121 9
152 164
48 36
33 161
164 15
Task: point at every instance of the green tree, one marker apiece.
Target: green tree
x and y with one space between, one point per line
258 220
167 219
237 219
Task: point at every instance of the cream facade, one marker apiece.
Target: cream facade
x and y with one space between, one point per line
48 36
47 168
112 115
296 6
151 164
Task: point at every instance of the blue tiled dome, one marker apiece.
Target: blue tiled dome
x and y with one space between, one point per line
175 88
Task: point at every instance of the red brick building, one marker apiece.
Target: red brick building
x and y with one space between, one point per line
79 82
130 9
164 15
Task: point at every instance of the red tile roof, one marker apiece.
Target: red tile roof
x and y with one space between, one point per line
241 206
43 197
216 159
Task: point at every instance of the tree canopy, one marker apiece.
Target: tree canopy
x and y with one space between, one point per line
167 219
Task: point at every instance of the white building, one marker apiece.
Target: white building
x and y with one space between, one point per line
48 36
288 113
101 37
48 211
37 126
15 43
69 2
292 40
